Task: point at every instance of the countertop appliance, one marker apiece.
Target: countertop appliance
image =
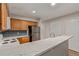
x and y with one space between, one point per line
9 42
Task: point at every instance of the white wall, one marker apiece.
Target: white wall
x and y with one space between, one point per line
64 25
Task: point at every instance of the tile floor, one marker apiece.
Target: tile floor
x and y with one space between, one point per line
72 53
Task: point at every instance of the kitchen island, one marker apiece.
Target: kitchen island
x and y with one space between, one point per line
57 46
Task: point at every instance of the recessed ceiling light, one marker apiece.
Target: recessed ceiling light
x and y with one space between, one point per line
52 4
34 11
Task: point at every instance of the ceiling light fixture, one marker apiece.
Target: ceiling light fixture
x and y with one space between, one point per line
34 11
52 4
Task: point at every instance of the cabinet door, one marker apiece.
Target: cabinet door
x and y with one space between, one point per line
24 26
18 24
3 16
14 24
31 23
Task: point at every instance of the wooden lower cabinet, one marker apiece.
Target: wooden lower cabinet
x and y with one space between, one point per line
23 40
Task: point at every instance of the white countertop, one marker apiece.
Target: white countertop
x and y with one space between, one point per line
33 48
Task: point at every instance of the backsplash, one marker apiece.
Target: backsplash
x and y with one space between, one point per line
14 33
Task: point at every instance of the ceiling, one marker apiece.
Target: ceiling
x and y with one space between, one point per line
44 11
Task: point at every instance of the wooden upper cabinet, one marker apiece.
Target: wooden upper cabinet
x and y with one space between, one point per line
15 25
24 26
18 24
31 23
3 16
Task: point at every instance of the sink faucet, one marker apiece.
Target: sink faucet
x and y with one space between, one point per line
52 33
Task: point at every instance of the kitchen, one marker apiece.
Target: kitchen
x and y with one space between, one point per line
26 31
16 27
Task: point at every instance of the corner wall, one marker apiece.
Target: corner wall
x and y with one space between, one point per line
64 25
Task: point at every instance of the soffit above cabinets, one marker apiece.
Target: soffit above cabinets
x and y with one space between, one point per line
44 11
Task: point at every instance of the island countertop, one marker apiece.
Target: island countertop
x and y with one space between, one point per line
33 48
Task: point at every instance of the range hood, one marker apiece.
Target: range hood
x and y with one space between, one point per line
8 24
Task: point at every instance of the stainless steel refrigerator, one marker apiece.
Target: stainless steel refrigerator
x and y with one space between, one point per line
34 33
